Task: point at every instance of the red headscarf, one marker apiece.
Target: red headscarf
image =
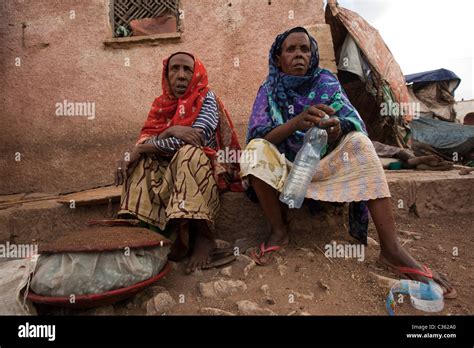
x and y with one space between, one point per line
167 111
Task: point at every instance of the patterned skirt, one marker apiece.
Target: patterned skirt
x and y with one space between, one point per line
159 190
351 172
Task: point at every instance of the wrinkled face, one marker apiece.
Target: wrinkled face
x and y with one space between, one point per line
295 54
180 73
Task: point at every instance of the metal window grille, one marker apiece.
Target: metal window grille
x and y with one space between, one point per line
123 11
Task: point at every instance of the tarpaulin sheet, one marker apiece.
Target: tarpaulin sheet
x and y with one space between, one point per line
387 76
434 76
441 134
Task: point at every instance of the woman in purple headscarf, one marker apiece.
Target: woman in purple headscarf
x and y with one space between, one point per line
295 97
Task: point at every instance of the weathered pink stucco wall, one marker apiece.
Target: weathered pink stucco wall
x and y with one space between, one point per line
63 58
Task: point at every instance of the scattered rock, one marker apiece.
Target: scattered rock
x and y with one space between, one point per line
279 260
292 313
270 301
416 237
372 242
227 287
251 308
306 314
382 281
140 299
215 311
160 304
221 287
249 267
304 296
207 289
227 271
309 254
266 289
282 269
323 285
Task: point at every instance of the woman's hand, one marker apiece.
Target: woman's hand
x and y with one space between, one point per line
333 127
310 117
307 119
126 165
187 134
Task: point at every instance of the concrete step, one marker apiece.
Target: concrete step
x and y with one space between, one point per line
423 193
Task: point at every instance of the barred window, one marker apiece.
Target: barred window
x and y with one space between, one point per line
124 11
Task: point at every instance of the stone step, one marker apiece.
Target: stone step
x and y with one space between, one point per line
425 193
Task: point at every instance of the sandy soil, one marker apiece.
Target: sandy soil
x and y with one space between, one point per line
303 281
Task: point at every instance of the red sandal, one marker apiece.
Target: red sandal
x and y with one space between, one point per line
402 272
262 251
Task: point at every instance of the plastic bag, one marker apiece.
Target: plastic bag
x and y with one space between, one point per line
84 273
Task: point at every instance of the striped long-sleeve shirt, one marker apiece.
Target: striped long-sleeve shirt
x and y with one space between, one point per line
207 120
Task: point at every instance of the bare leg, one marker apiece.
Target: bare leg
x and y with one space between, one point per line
272 208
391 250
203 245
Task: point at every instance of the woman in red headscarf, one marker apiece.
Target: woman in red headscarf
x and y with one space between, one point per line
173 173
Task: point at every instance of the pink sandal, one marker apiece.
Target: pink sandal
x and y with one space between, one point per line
262 251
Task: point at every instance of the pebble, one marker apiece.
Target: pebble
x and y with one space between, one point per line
215 311
382 281
282 269
249 267
221 287
371 241
160 304
227 271
251 308
221 244
266 289
323 285
304 296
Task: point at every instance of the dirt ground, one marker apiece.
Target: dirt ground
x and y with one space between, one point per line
302 281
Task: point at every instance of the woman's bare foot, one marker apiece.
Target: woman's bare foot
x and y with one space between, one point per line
278 238
203 245
392 254
402 258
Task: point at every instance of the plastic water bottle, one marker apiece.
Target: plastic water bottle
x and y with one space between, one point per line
304 167
424 297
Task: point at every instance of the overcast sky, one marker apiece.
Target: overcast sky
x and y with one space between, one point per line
425 34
